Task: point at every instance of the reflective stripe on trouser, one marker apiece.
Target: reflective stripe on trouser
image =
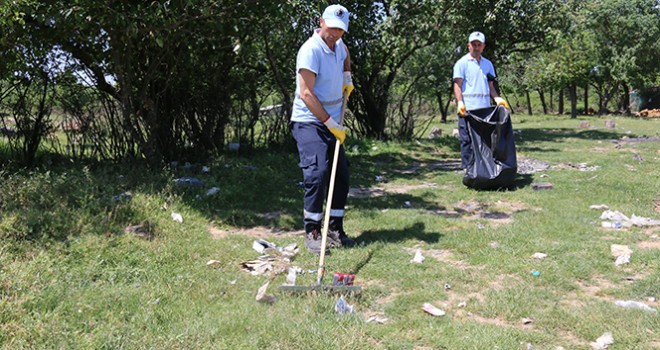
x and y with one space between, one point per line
316 146
466 143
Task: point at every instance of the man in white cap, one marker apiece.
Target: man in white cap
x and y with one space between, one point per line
323 75
474 77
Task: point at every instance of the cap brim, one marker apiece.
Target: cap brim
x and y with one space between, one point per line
335 23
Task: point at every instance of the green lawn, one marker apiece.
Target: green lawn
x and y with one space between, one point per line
71 278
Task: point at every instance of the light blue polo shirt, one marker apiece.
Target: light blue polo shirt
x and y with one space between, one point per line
328 65
476 92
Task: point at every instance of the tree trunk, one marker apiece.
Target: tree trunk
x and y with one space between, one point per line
552 108
573 94
443 112
529 103
561 101
586 98
542 97
626 99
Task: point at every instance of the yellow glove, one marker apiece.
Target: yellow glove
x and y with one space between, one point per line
335 129
502 102
348 87
461 109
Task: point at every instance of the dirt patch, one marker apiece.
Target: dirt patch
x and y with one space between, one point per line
441 255
626 140
649 244
380 191
498 213
256 232
657 204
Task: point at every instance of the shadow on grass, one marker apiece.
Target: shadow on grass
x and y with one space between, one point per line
415 231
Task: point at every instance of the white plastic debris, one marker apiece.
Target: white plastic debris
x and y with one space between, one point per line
291 276
213 262
599 206
407 204
621 253
429 308
603 342
377 319
419 258
342 307
177 217
212 191
539 256
205 169
260 245
262 297
631 304
462 304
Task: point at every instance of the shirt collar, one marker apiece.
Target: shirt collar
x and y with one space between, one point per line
320 40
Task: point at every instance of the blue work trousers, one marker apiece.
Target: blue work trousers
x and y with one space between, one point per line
466 143
316 147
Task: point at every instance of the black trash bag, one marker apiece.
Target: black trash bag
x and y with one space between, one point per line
493 163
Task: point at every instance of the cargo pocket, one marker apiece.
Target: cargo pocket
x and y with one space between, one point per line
309 166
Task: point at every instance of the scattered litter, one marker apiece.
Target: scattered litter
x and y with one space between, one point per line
447 286
527 320
373 148
651 299
480 226
493 244
419 258
355 148
377 319
262 297
212 191
342 307
625 221
455 133
539 256
275 259
621 253
631 304
529 346
142 231
177 217
300 184
205 169
291 276
407 204
603 342
528 166
213 263
432 310
232 282
380 178
542 186
578 166
260 245
610 224
189 181
343 279
122 197
599 206
536 273
462 304
435 133
233 146
154 302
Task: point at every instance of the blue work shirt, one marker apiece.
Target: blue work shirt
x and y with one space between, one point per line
475 88
315 56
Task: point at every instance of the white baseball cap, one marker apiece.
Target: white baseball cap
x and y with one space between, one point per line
479 36
336 16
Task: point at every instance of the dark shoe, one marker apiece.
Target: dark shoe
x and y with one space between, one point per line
344 240
313 241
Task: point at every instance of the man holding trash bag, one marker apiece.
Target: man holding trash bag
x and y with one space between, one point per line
474 77
323 76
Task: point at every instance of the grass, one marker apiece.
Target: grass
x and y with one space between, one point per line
71 278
